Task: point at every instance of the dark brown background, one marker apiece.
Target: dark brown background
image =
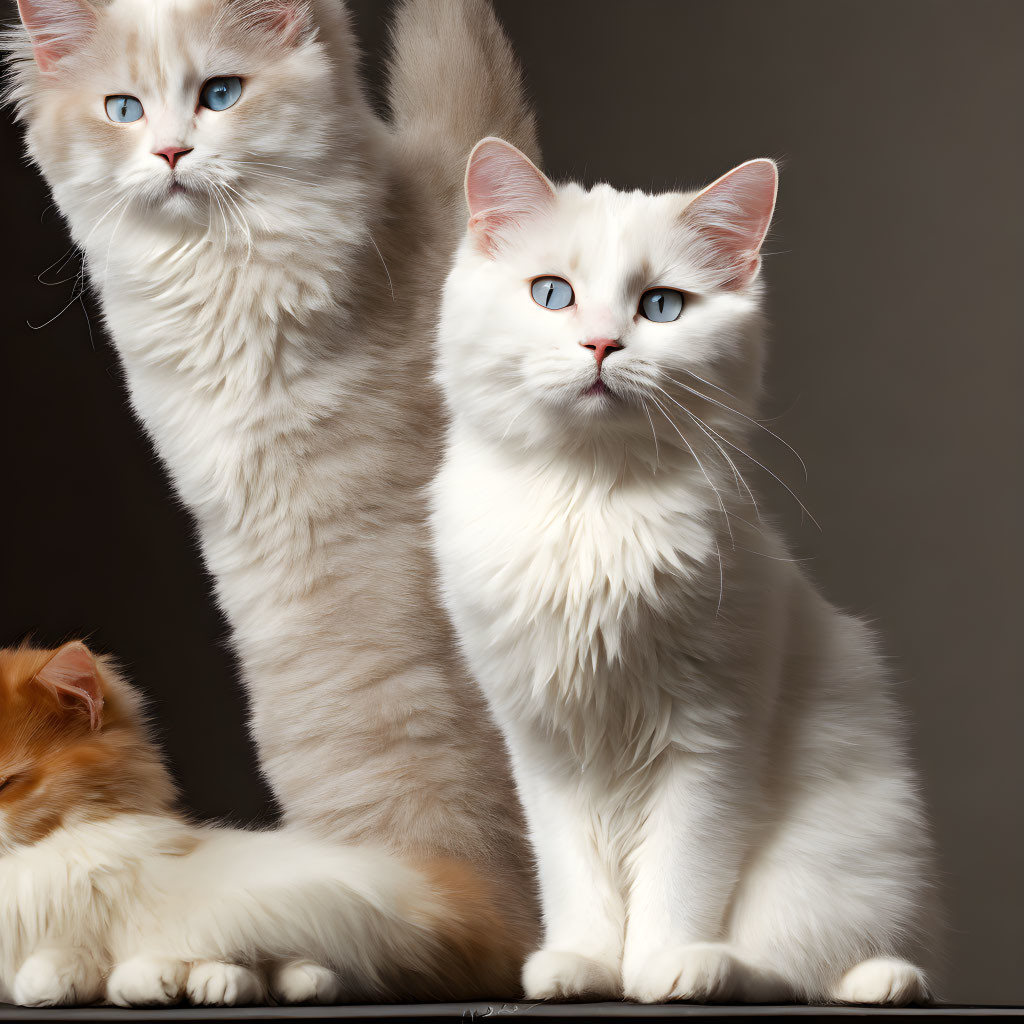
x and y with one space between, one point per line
896 370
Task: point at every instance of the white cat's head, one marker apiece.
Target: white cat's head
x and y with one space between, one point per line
572 315
179 111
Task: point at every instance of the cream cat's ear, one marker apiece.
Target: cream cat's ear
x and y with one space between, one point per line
504 188
56 27
72 676
733 215
287 19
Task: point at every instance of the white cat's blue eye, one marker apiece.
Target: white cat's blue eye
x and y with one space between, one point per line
662 305
221 93
552 293
123 109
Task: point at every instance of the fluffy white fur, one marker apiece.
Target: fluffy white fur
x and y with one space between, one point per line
147 909
714 772
273 315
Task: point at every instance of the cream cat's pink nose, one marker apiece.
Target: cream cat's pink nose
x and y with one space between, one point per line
172 154
601 347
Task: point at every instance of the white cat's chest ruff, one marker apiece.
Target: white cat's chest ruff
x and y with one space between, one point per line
568 586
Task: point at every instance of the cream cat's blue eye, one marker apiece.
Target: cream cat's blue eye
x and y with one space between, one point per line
662 305
123 109
221 93
552 293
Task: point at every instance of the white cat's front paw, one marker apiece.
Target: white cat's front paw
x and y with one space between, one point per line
147 981
213 983
883 981
703 972
58 977
302 981
557 974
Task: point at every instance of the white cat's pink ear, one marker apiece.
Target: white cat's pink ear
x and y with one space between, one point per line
504 188
733 215
73 677
56 27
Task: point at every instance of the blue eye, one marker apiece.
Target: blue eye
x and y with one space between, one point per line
221 93
552 293
123 109
662 305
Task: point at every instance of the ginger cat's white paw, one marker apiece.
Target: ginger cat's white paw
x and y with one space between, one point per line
58 977
302 981
883 981
214 983
556 974
703 972
147 981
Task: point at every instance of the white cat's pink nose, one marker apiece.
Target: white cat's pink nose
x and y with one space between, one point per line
601 347
172 154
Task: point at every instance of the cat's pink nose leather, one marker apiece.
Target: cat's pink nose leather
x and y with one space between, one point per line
172 154
601 347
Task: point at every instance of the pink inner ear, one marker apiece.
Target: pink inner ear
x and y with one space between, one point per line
287 18
733 214
503 189
57 27
71 675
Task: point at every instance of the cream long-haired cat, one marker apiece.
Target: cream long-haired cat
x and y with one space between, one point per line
107 892
713 770
269 256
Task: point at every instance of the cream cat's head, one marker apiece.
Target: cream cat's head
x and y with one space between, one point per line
180 112
573 316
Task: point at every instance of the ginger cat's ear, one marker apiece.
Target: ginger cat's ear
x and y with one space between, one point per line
733 215
56 27
73 677
504 188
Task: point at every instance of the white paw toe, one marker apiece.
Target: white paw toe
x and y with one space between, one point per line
147 981
303 981
702 973
883 981
554 974
52 979
212 983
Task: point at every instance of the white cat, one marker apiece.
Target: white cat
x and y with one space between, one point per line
714 772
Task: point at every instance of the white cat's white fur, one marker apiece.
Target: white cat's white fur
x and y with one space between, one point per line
146 909
714 773
274 324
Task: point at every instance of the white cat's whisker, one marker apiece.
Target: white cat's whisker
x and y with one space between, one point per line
654 435
742 415
718 495
702 426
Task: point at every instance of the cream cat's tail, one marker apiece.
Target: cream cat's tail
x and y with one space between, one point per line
453 80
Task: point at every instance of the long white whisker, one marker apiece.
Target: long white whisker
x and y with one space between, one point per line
709 432
700 464
383 264
742 415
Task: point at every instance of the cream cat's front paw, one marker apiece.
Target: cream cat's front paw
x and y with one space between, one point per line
58 977
703 972
555 974
302 981
214 983
883 981
147 981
